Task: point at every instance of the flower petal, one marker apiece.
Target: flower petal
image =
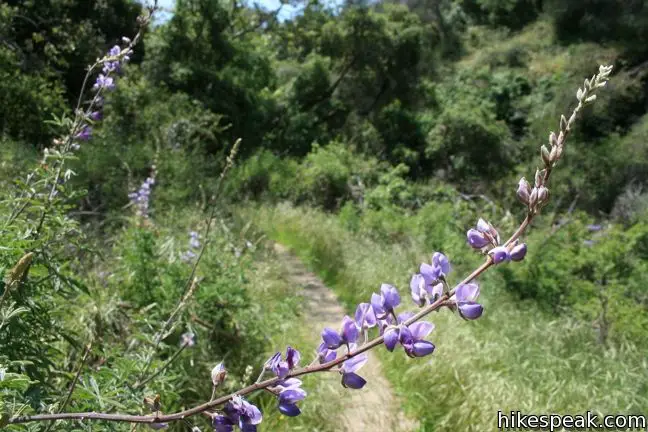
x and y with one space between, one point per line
352 380
354 363
331 338
349 330
391 338
421 329
289 410
292 357
467 292
421 348
291 396
470 310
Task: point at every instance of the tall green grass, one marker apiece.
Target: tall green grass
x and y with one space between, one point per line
516 357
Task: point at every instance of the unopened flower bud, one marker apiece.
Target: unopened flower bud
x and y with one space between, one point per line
553 140
546 156
126 40
563 123
543 195
518 252
491 233
533 198
499 254
553 156
524 191
218 374
476 239
539 178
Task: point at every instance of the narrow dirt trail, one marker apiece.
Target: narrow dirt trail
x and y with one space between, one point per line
373 408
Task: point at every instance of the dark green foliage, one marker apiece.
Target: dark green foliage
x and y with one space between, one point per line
599 274
46 48
513 14
618 21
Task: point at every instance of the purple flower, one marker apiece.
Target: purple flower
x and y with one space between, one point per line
465 298
412 339
422 291
221 423
324 354
482 236
243 413
188 256
114 51
349 330
282 367
290 392
331 338
96 116
384 303
349 378
141 198
440 261
365 318
349 333
519 252
439 268
104 82
194 239
500 254
476 239
84 134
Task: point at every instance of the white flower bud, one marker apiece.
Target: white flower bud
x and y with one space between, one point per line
218 374
546 158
